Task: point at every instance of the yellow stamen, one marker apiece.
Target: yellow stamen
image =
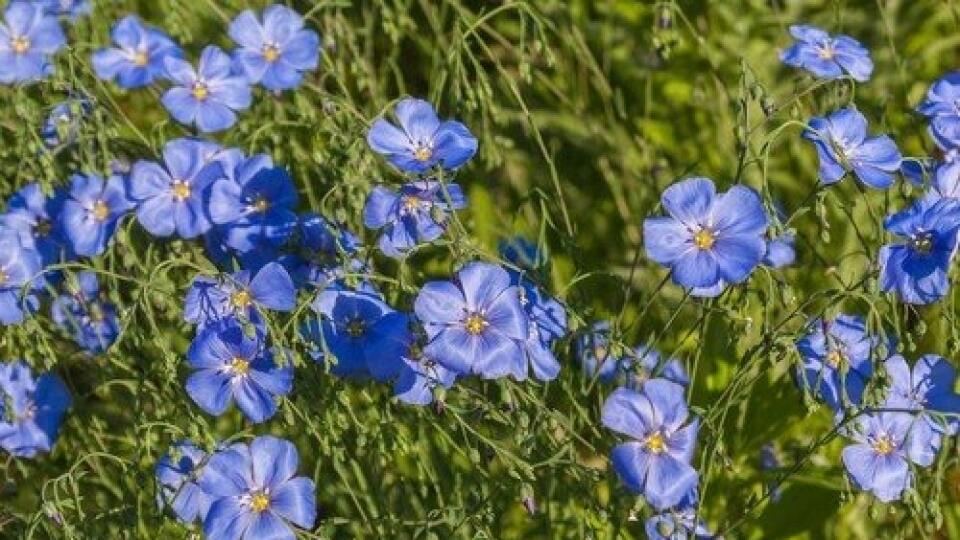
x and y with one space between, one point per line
600 352
826 52
3 276
655 443
884 445
475 324
261 205
239 366
835 358
356 328
180 190
140 58
260 502
240 299
200 91
422 153
20 45
100 210
704 239
271 52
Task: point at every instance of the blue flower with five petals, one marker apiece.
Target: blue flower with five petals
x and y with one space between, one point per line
208 95
879 461
240 295
31 410
827 56
91 211
178 473
278 51
843 146
28 38
414 215
422 141
139 56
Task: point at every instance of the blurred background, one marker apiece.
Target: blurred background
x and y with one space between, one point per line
585 112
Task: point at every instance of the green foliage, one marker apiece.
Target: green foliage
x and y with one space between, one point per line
585 111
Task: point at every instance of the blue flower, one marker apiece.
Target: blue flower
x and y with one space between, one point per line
20 268
31 411
941 107
657 463
927 389
422 141
917 269
522 252
139 56
178 472
946 178
231 366
547 324
28 38
72 9
420 376
707 239
366 335
255 492
843 146
240 295
879 461
677 523
208 95
92 321
475 323
170 197
255 204
33 215
63 124
327 251
826 56
414 215
91 212
597 353
277 52
838 360
646 363
780 251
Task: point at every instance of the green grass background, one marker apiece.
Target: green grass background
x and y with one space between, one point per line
585 111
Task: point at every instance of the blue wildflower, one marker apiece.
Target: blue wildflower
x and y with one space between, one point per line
254 204
255 492
31 410
64 121
20 268
598 355
277 52
420 376
366 336
838 357
522 252
33 215
707 238
475 323
92 321
678 523
656 464
178 473
91 212
917 269
547 324
170 197
827 56
843 146
879 459
414 215
208 95
422 141
327 251
941 107
71 9
928 390
240 295
231 366
139 57
28 38
946 178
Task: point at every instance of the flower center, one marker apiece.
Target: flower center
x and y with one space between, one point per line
140 58
922 242
475 324
883 445
100 210
240 299
356 328
43 227
3 276
410 203
261 205
260 501
836 358
600 352
271 52
200 91
826 52
704 239
422 153
655 443
180 190
20 45
239 366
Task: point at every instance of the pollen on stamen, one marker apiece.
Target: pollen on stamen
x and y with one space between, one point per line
20 45
704 239
475 324
100 210
140 58
423 153
261 205
3 276
260 502
240 299
835 358
200 91
271 52
239 366
883 445
180 190
655 443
